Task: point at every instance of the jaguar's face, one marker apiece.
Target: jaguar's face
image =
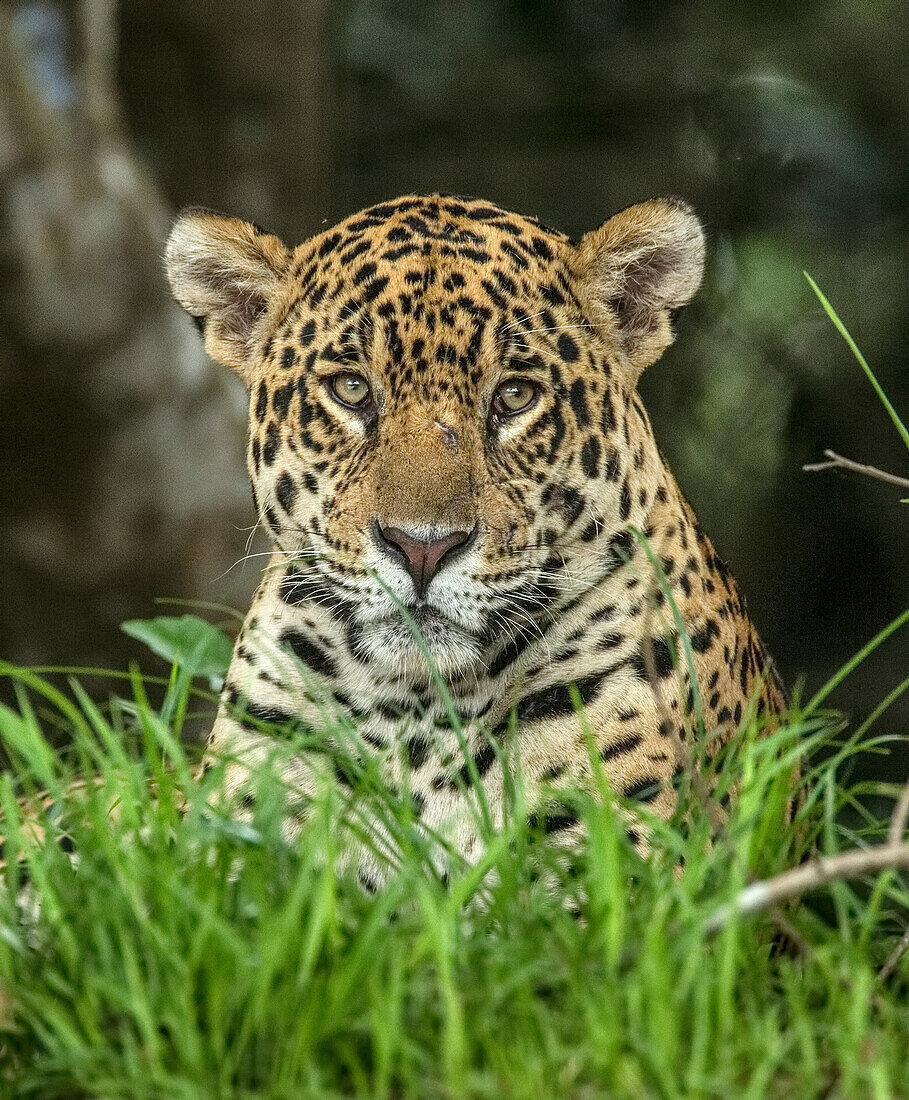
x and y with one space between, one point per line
404 454
436 412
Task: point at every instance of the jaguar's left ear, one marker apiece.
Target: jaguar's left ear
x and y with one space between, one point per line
227 274
640 266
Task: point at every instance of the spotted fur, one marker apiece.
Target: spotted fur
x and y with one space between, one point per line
546 595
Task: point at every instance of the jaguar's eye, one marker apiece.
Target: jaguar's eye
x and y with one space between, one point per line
516 395
349 389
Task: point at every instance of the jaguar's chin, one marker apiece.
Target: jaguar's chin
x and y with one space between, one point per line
394 645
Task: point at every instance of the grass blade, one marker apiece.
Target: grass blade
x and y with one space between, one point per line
863 363
838 677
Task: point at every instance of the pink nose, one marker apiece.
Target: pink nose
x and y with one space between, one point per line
421 559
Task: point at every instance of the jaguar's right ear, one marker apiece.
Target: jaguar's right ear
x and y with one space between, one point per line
225 273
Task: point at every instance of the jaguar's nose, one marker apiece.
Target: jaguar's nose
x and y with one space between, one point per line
421 558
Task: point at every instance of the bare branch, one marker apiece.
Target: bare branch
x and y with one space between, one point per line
837 462
809 876
789 930
895 955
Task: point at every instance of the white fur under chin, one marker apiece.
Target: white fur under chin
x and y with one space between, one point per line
392 647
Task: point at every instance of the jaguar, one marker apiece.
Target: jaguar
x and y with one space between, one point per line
481 561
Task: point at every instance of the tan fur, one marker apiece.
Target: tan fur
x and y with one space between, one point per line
230 273
436 302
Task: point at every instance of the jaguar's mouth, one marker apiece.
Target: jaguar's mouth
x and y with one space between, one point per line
427 617
403 643
423 623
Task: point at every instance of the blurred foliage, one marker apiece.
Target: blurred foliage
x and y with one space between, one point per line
199 648
783 124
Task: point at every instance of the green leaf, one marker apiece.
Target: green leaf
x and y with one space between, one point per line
199 648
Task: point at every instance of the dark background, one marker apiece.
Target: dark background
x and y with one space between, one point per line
783 124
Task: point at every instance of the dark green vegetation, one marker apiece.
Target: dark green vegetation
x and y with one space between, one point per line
189 956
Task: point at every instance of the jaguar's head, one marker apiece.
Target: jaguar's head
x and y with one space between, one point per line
443 408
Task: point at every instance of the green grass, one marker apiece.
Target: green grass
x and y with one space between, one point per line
186 955
190 956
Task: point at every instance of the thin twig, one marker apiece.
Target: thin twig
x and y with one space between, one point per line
895 955
789 930
837 462
809 876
